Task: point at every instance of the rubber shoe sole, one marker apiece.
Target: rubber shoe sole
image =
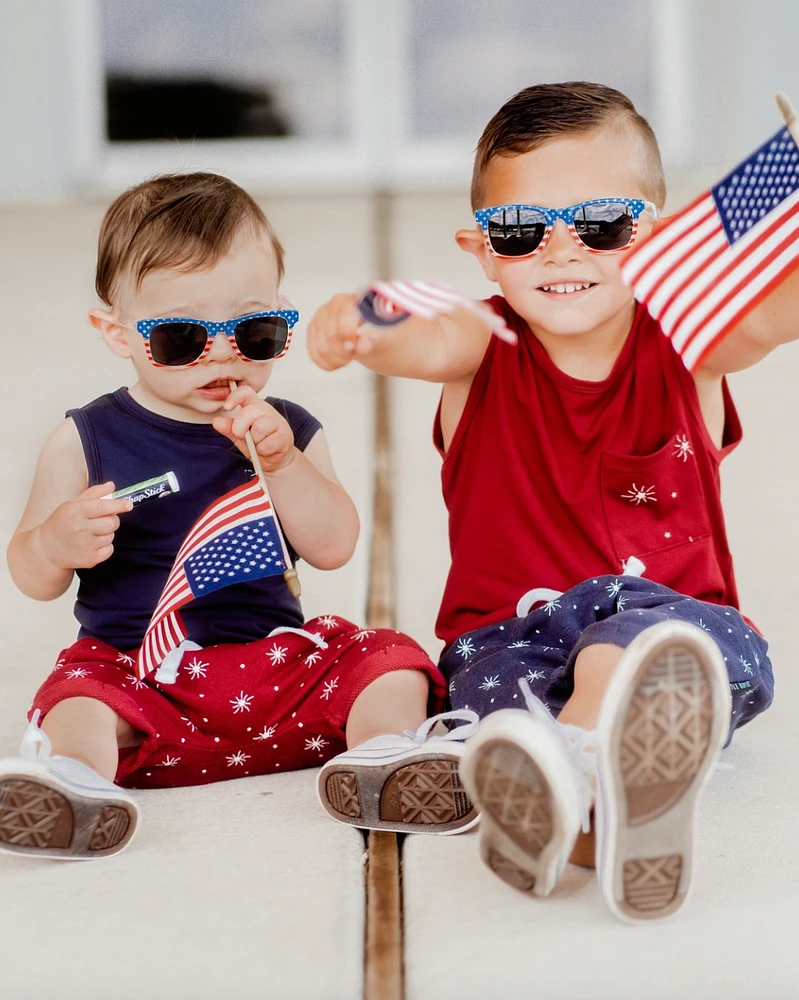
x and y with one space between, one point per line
420 795
42 816
664 719
522 782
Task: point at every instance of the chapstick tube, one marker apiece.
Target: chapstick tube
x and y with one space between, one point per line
150 489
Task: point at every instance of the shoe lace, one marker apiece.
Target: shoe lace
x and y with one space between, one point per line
580 745
34 742
466 715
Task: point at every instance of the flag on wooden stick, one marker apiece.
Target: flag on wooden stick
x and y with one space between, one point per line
388 302
703 269
234 540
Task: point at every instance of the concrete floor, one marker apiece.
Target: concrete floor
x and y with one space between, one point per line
246 889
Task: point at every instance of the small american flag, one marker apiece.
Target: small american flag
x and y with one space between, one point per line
705 268
234 540
388 302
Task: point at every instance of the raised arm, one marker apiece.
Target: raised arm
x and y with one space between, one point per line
65 526
448 348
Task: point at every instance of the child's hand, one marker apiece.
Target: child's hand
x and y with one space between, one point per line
79 534
271 434
337 334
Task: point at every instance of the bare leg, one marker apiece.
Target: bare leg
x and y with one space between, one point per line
394 702
592 671
89 731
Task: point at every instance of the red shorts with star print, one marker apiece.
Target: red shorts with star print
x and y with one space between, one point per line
278 704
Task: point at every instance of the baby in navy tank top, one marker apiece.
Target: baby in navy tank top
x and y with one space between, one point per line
194 662
591 582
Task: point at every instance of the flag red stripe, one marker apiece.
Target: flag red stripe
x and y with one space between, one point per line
712 285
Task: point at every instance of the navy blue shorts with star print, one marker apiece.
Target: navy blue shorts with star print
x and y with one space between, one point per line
483 666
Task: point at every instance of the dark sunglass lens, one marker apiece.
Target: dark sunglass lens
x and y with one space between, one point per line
262 338
516 232
605 226
177 343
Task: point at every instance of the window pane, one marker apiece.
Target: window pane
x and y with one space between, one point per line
469 57
205 69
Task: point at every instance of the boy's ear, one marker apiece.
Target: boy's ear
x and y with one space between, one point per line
472 241
107 323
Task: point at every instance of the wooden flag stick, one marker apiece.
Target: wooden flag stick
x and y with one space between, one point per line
788 113
290 574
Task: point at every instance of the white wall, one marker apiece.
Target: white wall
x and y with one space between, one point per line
738 53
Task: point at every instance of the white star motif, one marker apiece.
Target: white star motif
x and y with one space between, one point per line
189 723
277 654
519 645
242 703
746 665
316 743
701 624
640 494
196 668
451 687
59 664
614 588
490 682
682 447
534 675
238 759
328 621
621 600
330 687
138 683
76 673
267 734
363 634
551 606
313 657
465 647
170 761
124 658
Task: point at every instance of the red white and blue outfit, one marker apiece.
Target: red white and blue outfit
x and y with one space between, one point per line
556 485
265 691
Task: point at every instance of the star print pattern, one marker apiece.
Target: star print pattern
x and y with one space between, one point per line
640 494
540 646
682 447
231 712
241 703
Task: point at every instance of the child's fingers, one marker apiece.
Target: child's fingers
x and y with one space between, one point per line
104 525
241 396
100 508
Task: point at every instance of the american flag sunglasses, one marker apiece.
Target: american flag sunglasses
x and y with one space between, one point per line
604 225
180 342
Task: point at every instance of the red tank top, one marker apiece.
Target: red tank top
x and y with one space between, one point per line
550 480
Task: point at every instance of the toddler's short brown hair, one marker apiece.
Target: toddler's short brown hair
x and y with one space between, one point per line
553 110
180 221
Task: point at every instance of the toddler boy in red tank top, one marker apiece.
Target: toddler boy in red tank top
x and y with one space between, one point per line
591 576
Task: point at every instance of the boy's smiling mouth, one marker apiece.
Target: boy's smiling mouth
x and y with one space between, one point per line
566 287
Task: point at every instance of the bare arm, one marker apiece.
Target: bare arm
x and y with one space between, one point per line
65 526
448 348
316 512
772 322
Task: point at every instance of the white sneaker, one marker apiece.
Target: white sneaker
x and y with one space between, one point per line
56 807
529 776
408 784
664 719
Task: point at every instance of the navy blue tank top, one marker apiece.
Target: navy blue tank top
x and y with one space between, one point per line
125 443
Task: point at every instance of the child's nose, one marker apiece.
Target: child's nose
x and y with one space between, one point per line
562 246
221 349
